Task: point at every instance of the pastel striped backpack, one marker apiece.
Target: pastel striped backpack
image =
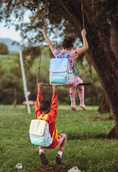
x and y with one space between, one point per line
39 132
60 72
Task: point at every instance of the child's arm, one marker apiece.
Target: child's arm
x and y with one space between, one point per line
85 43
38 112
47 39
52 115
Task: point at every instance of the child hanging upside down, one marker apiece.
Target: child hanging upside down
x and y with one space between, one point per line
43 110
67 45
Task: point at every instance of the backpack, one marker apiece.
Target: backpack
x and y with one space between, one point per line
60 72
39 133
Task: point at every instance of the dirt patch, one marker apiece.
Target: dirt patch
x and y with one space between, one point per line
53 169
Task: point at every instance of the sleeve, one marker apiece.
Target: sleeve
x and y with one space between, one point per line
73 54
55 52
52 115
38 111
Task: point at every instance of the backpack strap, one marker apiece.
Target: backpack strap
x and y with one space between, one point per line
59 55
54 132
42 117
66 54
74 69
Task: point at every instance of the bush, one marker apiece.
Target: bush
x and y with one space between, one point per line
9 82
3 49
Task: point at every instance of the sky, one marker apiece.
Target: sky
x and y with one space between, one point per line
15 35
11 32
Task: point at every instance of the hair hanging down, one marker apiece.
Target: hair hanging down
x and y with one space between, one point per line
68 43
44 105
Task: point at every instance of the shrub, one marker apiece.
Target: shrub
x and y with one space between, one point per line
3 48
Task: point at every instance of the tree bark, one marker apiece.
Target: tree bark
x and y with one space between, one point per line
104 105
114 46
114 37
101 54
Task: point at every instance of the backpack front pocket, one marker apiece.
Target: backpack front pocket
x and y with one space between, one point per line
58 79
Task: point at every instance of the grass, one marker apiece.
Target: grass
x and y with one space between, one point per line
87 147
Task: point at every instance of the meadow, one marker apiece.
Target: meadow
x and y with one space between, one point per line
87 147
11 77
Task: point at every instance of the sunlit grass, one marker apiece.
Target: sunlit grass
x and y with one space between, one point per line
87 147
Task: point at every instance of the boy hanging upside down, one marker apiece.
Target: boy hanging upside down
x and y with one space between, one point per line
43 110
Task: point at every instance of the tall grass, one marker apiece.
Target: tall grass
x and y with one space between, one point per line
87 147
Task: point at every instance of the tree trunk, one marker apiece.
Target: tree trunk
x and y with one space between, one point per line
114 37
104 105
113 133
101 55
114 46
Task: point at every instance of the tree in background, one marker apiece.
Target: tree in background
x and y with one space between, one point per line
3 48
107 15
102 57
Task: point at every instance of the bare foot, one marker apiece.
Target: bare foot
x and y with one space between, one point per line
83 107
73 108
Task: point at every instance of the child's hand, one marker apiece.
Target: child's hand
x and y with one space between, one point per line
83 32
44 30
54 88
40 85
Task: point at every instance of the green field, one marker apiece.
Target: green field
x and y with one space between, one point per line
87 147
11 77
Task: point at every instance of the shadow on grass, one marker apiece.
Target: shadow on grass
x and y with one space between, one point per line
86 137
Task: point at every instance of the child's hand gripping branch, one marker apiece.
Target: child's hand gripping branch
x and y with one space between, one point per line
40 86
54 88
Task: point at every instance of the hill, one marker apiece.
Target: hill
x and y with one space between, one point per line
9 42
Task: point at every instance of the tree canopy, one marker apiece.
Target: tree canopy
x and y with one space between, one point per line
13 13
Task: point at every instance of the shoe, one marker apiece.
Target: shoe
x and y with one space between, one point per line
74 169
43 159
59 160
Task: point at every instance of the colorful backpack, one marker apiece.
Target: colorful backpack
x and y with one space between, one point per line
60 72
39 133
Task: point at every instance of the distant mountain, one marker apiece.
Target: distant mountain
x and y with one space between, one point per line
11 47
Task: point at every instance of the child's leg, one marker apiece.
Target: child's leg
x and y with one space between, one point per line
60 141
77 80
41 150
42 156
81 94
72 98
61 149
